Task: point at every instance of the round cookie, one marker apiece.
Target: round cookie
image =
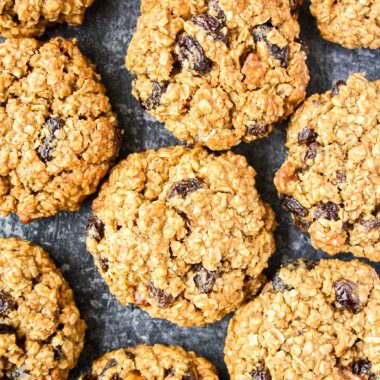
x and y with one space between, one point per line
41 333
30 18
156 362
218 72
350 23
331 179
58 134
181 233
315 320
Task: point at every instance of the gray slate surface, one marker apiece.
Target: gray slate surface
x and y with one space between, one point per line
104 37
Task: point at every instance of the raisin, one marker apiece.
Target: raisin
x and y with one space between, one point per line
257 129
310 154
169 372
281 54
44 150
279 285
345 294
335 89
204 279
6 329
88 377
302 224
58 353
111 363
163 298
363 367
116 377
190 50
7 303
261 373
130 355
184 187
293 206
212 27
341 176
327 210
215 10
95 228
103 263
307 136
310 264
155 98
294 6
184 216
259 32
370 224
346 226
304 45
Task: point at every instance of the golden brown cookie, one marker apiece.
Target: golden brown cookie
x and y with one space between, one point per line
181 233
330 181
30 18
315 321
350 23
58 134
41 333
218 71
156 362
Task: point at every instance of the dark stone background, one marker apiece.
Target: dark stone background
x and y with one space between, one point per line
104 37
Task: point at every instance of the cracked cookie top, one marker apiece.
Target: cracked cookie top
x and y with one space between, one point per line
218 72
315 320
156 362
181 233
30 18
41 333
331 179
350 23
58 133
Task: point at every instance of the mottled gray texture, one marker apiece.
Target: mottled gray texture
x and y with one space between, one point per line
104 37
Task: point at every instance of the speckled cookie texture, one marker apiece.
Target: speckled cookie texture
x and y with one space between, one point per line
58 134
41 333
315 320
218 72
330 181
181 233
351 23
30 18
156 362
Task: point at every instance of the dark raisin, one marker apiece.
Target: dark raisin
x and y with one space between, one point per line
302 224
215 10
103 263
261 373
155 97
95 228
346 226
307 136
294 5
6 329
281 54
7 303
310 154
111 363
130 355
44 150
257 129
327 210
212 27
163 298
335 89
190 50
345 294
363 367
184 187
116 377
184 216
204 279
370 224
293 206
341 176
310 264
304 45
279 285
58 353
260 32
88 377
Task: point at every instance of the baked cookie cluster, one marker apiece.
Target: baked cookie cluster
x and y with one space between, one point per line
218 72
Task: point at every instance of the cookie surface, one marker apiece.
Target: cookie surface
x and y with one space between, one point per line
350 23
41 333
151 362
58 134
30 18
181 233
331 179
218 72
315 320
